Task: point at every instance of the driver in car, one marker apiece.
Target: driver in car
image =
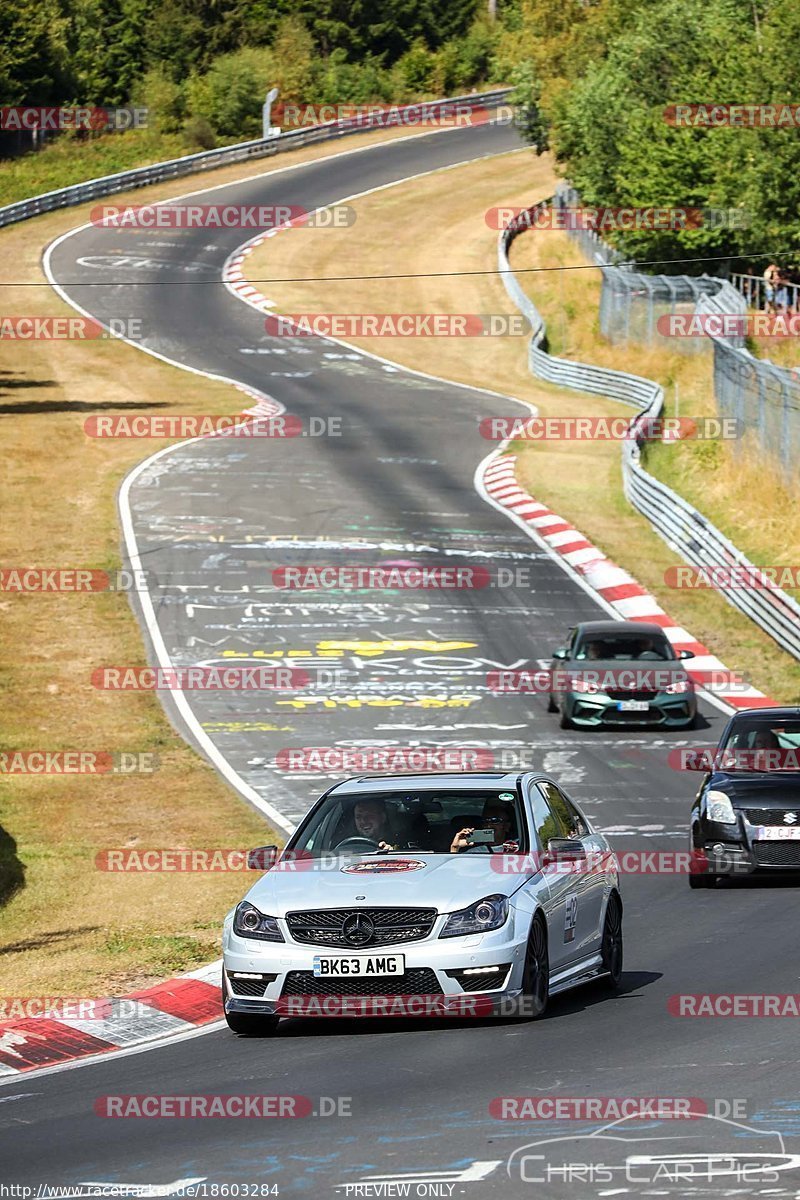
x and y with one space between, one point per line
371 820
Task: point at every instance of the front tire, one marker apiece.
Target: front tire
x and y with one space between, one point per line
536 973
611 944
563 721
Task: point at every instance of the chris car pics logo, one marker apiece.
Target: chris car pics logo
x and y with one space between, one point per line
708 1155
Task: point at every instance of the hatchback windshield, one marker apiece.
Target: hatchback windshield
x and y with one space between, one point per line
430 822
761 744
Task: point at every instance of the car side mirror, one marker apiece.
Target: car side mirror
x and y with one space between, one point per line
686 654
561 652
563 850
262 858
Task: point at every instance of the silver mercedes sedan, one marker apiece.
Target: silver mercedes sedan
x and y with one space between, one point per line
425 895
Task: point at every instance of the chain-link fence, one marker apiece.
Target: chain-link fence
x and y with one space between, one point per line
764 398
631 302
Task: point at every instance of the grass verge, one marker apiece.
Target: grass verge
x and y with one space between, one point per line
68 927
581 480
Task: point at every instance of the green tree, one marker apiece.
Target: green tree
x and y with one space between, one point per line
33 52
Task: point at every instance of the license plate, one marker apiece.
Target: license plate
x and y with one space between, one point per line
778 833
632 705
358 966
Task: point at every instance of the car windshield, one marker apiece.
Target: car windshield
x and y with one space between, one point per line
422 822
761 744
624 646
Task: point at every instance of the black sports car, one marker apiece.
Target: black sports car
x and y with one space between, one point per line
746 816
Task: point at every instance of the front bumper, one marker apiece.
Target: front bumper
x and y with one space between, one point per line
742 849
597 709
433 984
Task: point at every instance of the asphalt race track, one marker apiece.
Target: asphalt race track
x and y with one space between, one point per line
213 519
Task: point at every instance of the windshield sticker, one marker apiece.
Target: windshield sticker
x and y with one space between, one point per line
506 796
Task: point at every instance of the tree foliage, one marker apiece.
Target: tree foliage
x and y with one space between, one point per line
601 82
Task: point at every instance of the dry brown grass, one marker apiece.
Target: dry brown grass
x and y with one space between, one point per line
71 928
582 480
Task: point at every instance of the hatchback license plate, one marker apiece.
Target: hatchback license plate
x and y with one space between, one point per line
357 966
632 705
778 833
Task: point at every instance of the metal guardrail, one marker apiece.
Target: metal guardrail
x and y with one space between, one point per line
207 160
683 528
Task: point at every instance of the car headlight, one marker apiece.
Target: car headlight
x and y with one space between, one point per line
584 685
486 914
249 922
679 687
719 808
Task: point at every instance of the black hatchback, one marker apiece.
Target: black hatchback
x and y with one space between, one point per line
746 816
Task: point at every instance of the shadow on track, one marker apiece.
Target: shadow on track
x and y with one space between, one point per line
51 406
578 1000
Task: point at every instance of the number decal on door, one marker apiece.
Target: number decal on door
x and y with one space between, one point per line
570 917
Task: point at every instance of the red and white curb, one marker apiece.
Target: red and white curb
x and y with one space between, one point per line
174 1007
618 590
232 270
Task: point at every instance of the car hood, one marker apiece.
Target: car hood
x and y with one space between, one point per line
764 789
444 881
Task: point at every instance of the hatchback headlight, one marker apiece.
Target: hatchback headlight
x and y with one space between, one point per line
250 923
719 808
486 914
